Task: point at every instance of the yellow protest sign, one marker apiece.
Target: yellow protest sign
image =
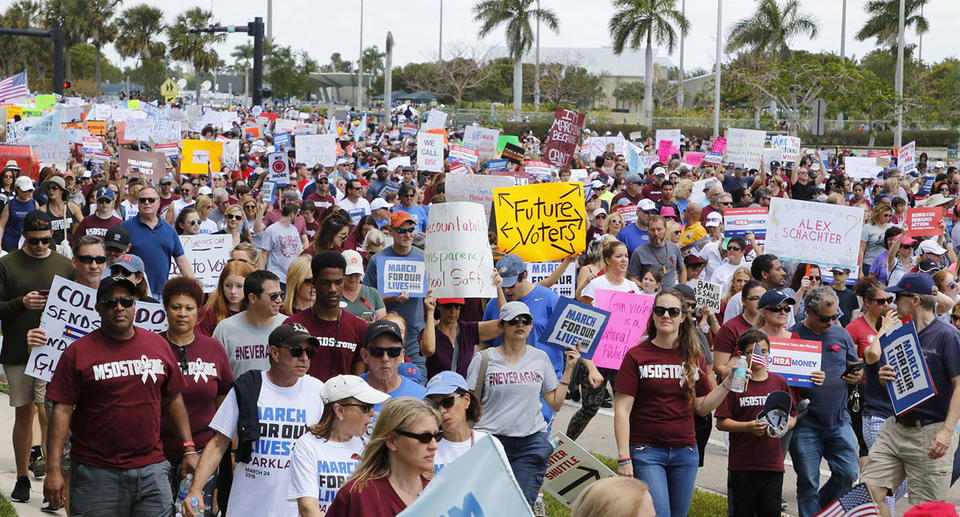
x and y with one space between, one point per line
45 102
169 90
200 156
133 104
541 222
13 111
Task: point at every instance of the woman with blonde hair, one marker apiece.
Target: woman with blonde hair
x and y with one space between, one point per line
336 440
739 278
226 300
204 206
390 476
374 242
247 252
300 291
615 497
871 237
233 225
681 193
614 224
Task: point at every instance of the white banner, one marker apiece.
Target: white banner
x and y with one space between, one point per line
745 147
821 233
458 257
475 188
208 254
429 152
317 149
861 167
483 140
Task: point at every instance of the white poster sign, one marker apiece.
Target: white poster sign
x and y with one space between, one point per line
475 188
279 168
745 147
429 152
317 149
458 257
483 140
861 167
207 254
789 147
436 119
821 233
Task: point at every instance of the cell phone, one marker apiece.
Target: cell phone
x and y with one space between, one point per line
853 368
368 316
44 292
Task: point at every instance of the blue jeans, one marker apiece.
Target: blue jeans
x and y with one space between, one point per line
528 459
807 447
670 473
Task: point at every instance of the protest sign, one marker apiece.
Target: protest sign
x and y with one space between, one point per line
563 137
92 144
13 111
693 159
207 255
24 156
464 155
861 167
513 153
398 274
138 130
436 119
408 130
709 295
484 140
70 314
479 483
673 135
266 192
575 324
231 154
571 469
719 145
745 147
541 222
821 233
901 349
794 359
503 140
924 221
519 177
170 150
475 188
317 150
738 222
498 166
700 187
200 156
56 152
907 158
564 286
664 150
629 314
279 168
148 165
789 147
282 140
713 158
627 212
597 145
543 171
47 129
282 125
458 260
429 152
399 161
45 101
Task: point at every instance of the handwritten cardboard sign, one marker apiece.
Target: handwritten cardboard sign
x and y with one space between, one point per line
907 158
317 150
629 314
794 360
709 295
430 152
575 324
484 140
563 137
861 167
458 260
924 221
208 255
821 233
745 146
541 222
789 147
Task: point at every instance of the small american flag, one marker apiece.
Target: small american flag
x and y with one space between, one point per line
855 503
758 357
14 86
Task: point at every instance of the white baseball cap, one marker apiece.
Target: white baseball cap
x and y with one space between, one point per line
346 386
714 219
599 211
379 203
24 183
354 262
204 191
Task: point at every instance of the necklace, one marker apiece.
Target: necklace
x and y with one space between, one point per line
400 488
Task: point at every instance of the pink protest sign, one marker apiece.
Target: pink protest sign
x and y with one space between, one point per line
720 146
665 150
629 314
693 159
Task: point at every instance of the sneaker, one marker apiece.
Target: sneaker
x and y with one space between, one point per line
539 508
35 453
607 401
575 395
783 504
40 467
21 491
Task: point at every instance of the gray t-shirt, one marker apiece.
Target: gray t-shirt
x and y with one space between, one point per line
665 259
511 396
873 236
246 345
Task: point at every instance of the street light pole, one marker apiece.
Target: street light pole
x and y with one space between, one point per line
440 45
536 64
716 77
360 64
843 32
898 133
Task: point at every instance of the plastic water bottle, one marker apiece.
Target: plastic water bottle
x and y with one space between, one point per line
182 495
195 506
739 376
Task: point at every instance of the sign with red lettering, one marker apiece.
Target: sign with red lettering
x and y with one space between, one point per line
922 222
563 137
457 256
821 233
571 469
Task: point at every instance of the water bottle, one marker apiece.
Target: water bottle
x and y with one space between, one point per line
739 382
182 494
195 506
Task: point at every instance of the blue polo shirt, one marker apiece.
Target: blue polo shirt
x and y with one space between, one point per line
940 343
633 237
156 247
828 403
418 214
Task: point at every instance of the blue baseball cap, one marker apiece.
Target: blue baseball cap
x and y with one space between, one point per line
915 283
510 268
774 297
445 383
105 193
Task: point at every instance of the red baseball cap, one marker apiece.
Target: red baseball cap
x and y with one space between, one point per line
445 301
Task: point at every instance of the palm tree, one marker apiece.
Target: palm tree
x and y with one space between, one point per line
771 28
72 16
373 61
194 48
884 20
103 31
137 27
517 16
643 21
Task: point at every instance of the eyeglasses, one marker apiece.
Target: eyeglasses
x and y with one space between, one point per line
126 302
87 259
274 296
233 217
778 308
364 407
883 301
826 319
521 320
762 351
148 199
391 351
422 437
734 249
403 231
194 222
298 350
446 402
673 311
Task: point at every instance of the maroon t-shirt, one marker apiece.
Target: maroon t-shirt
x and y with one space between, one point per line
661 415
93 225
651 192
311 229
117 387
468 335
747 450
340 342
726 339
321 202
377 499
167 201
207 376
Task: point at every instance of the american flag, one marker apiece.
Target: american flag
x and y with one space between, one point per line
14 86
757 356
855 503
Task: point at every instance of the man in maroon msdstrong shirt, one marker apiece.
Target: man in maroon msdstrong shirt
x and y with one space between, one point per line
110 388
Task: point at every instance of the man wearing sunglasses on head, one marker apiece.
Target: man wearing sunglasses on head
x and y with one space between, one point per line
25 275
266 411
245 335
382 353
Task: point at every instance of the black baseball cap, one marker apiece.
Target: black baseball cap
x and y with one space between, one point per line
36 221
113 280
291 334
776 400
117 238
381 327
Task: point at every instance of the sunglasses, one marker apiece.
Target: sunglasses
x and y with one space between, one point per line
814 278
364 407
673 311
734 249
42 240
298 350
404 231
87 259
826 319
521 320
250 207
148 199
601 216
222 203
193 222
126 302
778 308
275 296
883 301
234 217
391 351
725 203
422 437
446 402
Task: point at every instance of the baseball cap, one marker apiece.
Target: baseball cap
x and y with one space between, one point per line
776 400
105 193
166 180
445 383
343 161
938 165
659 171
930 246
510 267
399 217
117 238
130 262
379 203
916 283
634 178
927 266
24 183
599 211
36 221
714 219
381 327
204 191
687 292
774 164
511 310
841 270
646 205
113 280
932 509
354 262
346 386
448 301
693 260
774 297
291 334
